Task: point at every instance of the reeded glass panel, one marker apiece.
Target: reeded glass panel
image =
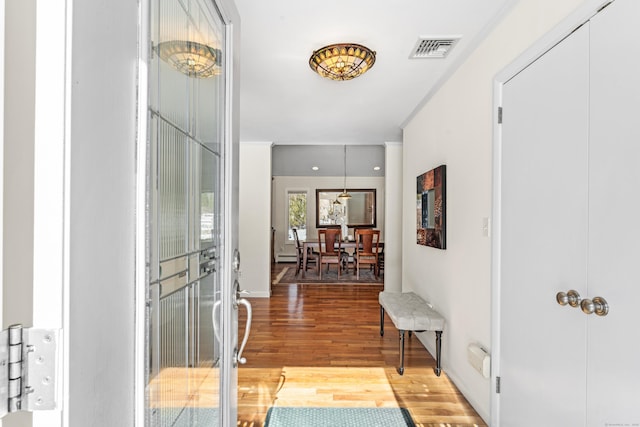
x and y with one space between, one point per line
208 221
186 104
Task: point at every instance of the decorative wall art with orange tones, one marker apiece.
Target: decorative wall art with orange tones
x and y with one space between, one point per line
431 208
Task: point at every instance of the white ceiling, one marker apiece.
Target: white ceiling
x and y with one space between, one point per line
284 102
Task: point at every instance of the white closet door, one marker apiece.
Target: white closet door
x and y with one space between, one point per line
544 238
614 216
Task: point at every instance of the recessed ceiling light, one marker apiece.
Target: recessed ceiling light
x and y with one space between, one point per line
376 168
315 168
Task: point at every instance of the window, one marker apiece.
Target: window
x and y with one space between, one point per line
206 215
297 214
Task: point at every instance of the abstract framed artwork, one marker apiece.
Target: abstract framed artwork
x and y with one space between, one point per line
431 208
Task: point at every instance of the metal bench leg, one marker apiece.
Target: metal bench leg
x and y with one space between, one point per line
381 321
401 368
438 369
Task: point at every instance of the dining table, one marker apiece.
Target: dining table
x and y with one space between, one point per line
315 244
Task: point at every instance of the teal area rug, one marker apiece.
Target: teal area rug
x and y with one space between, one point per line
338 417
185 417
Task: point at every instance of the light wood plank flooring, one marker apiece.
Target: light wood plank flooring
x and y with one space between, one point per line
319 345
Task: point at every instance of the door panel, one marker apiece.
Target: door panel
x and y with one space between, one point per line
614 210
188 218
543 238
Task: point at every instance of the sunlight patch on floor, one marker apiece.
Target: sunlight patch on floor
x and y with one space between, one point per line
336 387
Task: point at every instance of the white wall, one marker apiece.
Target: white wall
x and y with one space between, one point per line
283 184
255 219
393 217
455 128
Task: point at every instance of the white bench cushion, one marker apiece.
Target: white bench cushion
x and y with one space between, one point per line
409 312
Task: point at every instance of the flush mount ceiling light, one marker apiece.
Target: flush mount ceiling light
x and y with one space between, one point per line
191 58
342 61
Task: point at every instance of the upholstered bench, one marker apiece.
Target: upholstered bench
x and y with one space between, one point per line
409 312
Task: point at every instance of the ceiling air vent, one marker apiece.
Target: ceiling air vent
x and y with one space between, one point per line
433 47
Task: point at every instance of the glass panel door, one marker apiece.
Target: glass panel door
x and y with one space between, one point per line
185 212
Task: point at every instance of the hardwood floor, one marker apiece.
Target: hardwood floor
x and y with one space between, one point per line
319 345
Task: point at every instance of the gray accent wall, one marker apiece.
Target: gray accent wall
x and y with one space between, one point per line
297 160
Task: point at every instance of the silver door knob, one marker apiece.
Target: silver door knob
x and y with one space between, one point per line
597 305
572 298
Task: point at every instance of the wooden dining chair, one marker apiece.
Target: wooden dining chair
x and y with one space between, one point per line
330 242
312 257
367 250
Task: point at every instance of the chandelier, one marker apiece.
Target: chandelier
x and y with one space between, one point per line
342 61
191 58
344 194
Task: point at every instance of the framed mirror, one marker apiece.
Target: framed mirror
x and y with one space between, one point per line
357 211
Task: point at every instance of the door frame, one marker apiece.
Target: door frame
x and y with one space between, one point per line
50 300
51 187
230 239
142 166
539 48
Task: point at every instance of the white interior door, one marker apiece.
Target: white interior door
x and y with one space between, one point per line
543 238
613 371
582 117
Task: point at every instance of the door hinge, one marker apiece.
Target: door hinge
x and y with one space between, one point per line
499 115
28 361
498 385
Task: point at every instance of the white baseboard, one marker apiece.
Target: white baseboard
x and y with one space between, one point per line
427 341
286 258
261 294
